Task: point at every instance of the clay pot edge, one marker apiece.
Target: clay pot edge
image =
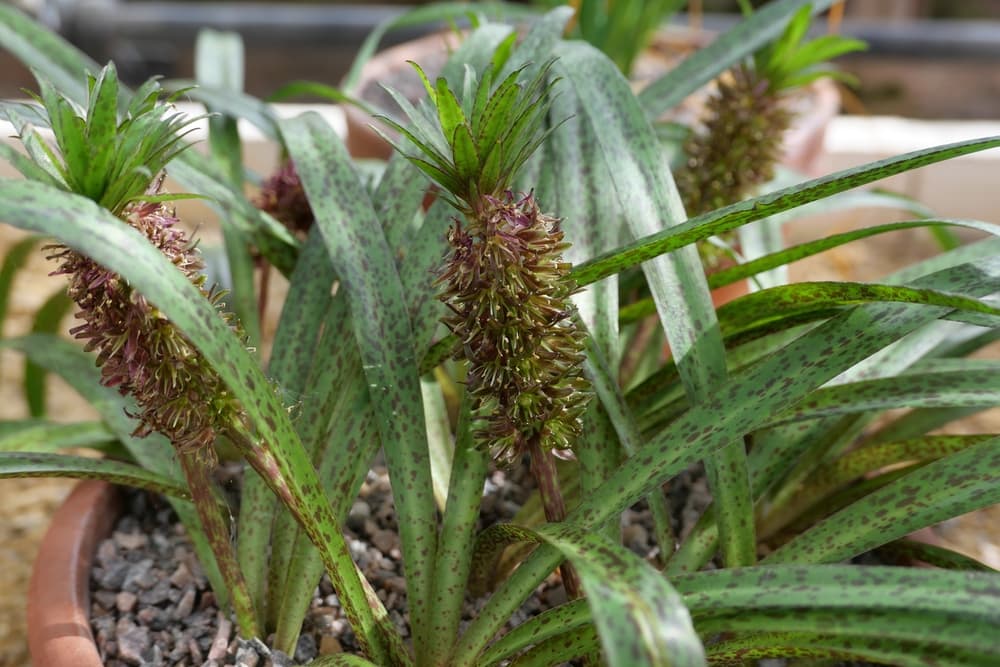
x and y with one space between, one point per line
59 593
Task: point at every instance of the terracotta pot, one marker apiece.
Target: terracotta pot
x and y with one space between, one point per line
59 594
803 141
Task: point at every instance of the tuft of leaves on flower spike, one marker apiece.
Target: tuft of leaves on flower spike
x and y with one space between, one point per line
118 163
745 121
505 282
473 147
103 156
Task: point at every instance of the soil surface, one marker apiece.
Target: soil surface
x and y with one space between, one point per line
151 604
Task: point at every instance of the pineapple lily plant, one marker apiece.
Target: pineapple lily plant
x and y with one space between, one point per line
491 328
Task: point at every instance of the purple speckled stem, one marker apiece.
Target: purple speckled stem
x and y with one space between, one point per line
197 465
543 469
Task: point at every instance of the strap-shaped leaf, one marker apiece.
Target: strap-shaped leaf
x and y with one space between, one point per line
638 615
972 386
939 612
582 643
342 660
77 369
550 623
45 51
120 248
788 255
112 243
460 515
153 453
735 215
15 260
422 253
829 648
946 488
912 550
799 300
650 201
35 464
839 587
218 61
291 358
26 166
366 267
48 319
871 457
739 406
34 435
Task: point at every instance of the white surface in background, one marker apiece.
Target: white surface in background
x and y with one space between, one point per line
890 135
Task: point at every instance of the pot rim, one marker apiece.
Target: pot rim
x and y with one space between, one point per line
59 593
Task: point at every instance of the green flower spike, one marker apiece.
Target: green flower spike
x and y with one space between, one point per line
505 282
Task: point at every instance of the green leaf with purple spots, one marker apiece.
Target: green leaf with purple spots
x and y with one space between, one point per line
639 617
741 213
37 464
33 435
366 267
946 488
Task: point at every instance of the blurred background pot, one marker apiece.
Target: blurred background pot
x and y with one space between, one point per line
391 68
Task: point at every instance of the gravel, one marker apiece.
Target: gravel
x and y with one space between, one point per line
151 605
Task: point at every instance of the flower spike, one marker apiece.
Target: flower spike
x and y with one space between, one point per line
505 284
475 149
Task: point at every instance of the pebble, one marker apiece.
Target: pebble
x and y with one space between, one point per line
185 605
106 599
114 575
130 541
153 617
278 659
359 514
305 649
181 577
140 576
107 553
159 611
246 655
134 644
195 651
385 540
329 645
125 601
636 538
157 594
